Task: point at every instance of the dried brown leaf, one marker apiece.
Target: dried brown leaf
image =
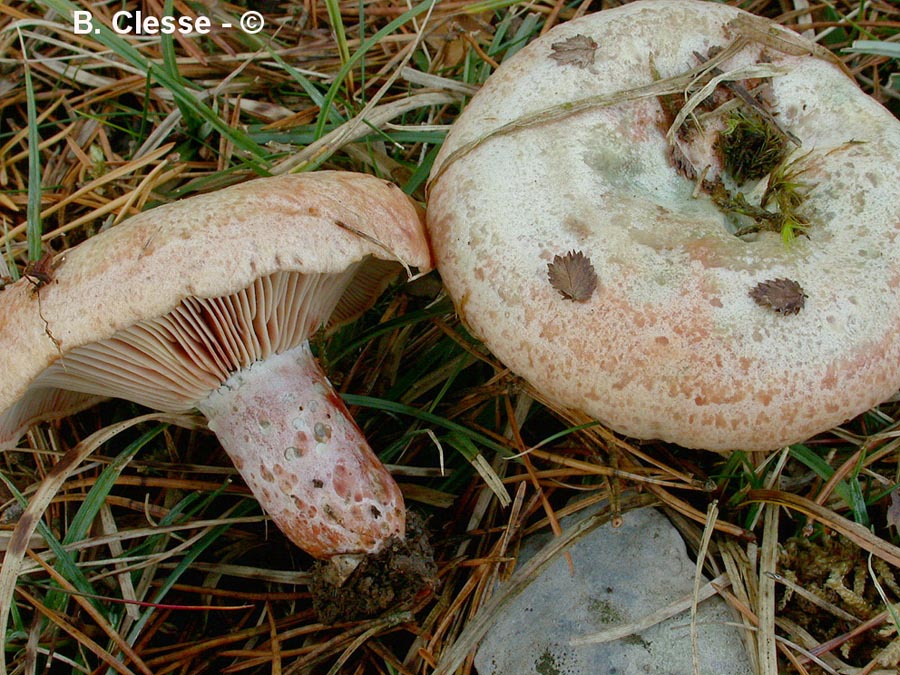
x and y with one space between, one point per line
577 50
784 296
893 512
40 272
572 275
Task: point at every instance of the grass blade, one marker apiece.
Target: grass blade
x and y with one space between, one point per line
367 44
183 97
34 229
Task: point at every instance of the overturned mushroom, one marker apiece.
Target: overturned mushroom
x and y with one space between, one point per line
741 302
208 303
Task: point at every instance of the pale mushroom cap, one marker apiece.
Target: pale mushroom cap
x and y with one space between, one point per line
670 345
204 247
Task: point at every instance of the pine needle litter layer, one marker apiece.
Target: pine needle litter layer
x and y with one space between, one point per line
130 544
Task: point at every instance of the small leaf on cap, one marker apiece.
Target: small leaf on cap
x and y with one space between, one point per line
577 50
784 296
572 275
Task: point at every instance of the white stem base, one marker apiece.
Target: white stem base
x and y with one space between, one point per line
294 442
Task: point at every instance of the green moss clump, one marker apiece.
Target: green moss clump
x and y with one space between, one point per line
750 146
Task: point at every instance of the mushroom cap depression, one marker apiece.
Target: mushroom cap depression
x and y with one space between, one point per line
128 313
661 316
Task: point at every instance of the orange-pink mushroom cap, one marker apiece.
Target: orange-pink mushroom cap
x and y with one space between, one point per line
565 148
180 305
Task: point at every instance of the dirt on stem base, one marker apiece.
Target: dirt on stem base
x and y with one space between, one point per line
387 580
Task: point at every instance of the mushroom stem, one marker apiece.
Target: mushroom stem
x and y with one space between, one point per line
303 457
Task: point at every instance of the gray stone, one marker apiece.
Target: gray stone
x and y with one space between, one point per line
621 575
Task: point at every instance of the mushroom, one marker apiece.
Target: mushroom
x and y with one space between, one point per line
600 231
208 303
